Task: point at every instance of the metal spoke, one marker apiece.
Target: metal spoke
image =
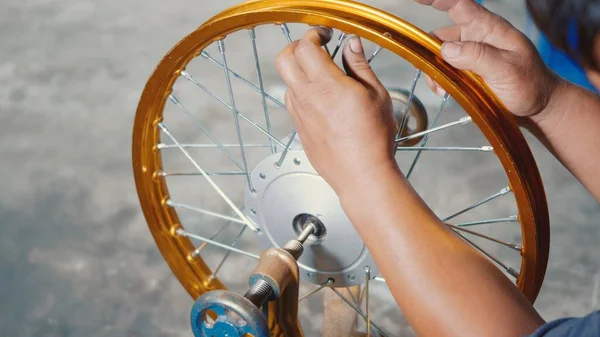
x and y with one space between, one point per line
235 111
483 236
175 101
177 174
340 41
221 45
445 148
487 148
243 79
323 285
358 311
286 149
378 49
252 34
367 279
479 203
203 211
362 294
508 269
462 121
426 137
286 32
197 251
512 218
379 278
411 96
166 131
162 146
218 244
214 274
354 299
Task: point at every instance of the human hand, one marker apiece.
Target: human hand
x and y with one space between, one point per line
345 121
490 46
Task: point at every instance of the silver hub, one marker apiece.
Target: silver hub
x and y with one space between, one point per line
287 197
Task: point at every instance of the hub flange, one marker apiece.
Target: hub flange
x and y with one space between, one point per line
289 196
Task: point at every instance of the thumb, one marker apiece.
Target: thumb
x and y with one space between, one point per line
356 64
483 59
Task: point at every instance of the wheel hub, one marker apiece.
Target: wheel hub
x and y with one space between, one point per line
290 196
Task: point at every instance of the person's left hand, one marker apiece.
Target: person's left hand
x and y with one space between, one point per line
345 121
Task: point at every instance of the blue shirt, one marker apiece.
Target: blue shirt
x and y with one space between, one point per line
563 64
587 326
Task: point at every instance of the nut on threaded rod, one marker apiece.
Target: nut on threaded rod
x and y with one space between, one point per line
259 293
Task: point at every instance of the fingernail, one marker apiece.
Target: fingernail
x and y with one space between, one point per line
325 32
451 50
440 91
356 45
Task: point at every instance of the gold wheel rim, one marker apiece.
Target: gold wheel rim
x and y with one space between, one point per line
401 38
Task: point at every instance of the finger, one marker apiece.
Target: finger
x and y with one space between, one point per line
461 12
289 69
291 108
485 60
477 23
449 33
434 86
314 60
289 104
356 64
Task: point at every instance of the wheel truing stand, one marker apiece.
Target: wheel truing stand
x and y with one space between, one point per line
274 282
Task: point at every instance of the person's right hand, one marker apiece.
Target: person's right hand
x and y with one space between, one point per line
505 58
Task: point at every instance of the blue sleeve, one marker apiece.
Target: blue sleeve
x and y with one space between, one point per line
588 326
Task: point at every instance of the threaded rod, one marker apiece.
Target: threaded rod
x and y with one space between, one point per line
259 293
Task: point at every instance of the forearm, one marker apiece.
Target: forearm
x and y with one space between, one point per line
570 128
444 287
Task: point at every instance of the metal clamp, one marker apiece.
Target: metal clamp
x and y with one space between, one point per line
274 281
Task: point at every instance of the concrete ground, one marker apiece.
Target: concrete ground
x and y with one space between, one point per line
76 258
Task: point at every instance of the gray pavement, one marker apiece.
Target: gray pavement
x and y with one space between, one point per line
76 258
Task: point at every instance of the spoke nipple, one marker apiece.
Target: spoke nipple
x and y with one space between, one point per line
487 148
465 119
512 272
204 54
505 190
180 232
252 33
173 99
221 46
513 218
